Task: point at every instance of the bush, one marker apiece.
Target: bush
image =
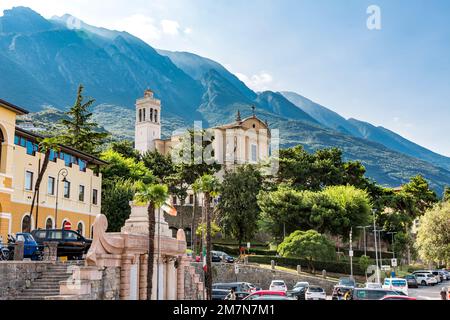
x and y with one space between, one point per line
234 250
329 266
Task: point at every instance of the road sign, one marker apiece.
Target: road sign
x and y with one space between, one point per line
385 268
67 225
248 245
350 253
236 268
394 262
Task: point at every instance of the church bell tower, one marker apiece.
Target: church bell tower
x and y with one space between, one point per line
148 122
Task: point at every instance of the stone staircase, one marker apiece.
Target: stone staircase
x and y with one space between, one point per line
48 283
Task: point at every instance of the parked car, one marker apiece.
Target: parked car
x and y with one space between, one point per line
447 274
412 281
373 294
278 285
441 274
315 293
299 290
4 252
237 286
426 279
436 275
219 294
215 257
225 257
373 285
271 297
339 292
256 295
70 243
397 284
347 282
397 298
31 248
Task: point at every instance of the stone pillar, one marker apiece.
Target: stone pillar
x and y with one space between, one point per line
125 276
18 251
143 276
171 280
50 251
183 263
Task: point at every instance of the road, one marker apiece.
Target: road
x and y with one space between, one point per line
428 293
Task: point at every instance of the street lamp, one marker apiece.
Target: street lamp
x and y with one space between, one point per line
364 229
393 248
376 253
63 172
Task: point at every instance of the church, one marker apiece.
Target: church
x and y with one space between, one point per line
245 141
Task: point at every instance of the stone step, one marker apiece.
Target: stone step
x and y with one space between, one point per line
40 294
45 286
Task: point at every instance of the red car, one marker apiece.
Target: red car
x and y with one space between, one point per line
398 298
265 293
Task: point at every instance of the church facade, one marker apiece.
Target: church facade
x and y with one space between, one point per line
245 141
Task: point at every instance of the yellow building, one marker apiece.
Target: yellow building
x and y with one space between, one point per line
72 181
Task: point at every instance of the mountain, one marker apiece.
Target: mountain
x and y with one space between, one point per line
366 130
43 61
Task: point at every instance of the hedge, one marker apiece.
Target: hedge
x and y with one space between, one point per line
330 266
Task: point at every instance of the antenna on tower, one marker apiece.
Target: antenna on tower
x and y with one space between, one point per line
253 111
238 116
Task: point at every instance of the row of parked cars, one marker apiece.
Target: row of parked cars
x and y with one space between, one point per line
216 256
70 244
278 290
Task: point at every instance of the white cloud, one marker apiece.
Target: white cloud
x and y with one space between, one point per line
258 82
188 30
140 26
170 27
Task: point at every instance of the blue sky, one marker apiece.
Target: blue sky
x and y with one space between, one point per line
397 77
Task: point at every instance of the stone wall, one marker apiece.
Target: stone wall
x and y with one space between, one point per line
224 272
18 275
108 288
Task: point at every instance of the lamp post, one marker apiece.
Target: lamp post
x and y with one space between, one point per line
158 254
393 249
364 230
350 253
63 172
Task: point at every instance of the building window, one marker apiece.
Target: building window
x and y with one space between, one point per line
151 114
51 186
66 189
49 223
140 115
191 199
143 114
26 223
80 228
53 156
94 196
82 164
156 115
81 193
31 148
28 180
254 159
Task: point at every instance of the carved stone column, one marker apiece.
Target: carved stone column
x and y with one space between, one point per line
183 262
125 276
143 277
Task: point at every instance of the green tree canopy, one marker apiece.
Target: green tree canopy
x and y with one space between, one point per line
238 207
433 237
333 210
419 189
81 133
126 168
446 196
116 197
309 245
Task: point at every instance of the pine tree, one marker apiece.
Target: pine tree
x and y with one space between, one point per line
82 133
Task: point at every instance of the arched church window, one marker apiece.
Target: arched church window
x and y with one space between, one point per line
140 115
156 115
143 114
151 114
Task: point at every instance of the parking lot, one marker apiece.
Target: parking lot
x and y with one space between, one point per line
428 293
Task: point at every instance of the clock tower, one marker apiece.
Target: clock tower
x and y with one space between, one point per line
148 122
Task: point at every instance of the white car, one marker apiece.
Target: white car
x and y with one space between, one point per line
315 293
301 284
426 279
278 285
396 284
373 285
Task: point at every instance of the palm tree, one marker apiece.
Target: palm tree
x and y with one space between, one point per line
209 185
46 146
154 195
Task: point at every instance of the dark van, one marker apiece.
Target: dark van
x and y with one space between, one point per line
70 243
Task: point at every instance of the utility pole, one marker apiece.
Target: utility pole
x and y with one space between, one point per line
365 239
376 253
350 253
393 249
